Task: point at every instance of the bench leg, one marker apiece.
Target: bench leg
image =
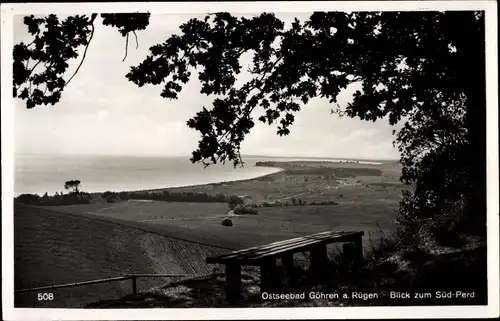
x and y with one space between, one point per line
233 282
267 275
349 255
358 253
289 269
353 254
134 285
319 262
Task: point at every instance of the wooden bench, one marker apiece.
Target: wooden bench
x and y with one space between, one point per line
265 256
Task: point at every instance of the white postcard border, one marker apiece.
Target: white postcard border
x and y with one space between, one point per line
11 313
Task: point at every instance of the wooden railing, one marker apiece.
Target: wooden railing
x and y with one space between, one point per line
132 277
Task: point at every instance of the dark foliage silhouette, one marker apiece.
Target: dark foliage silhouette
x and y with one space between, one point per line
242 209
57 199
113 197
233 201
72 186
226 222
39 66
425 70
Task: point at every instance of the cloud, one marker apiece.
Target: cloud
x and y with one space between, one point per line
102 115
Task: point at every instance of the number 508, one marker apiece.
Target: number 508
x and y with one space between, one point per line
45 296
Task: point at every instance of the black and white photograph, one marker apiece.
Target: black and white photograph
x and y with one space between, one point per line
186 158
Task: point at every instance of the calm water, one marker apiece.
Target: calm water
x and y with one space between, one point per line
47 173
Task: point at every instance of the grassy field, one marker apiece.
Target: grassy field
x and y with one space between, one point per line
80 242
310 186
55 248
272 224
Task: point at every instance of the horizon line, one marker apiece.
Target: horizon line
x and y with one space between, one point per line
188 156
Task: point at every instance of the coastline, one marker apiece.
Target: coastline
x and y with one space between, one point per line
266 170
277 170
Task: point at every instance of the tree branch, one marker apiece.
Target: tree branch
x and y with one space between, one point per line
136 41
32 41
94 15
31 70
126 48
247 112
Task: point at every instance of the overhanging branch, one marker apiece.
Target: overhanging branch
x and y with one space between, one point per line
126 48
94 15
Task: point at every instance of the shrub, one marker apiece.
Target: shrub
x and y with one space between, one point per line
233 201
241 209
31 199
112 198
74 198
300 202
227 222
108 193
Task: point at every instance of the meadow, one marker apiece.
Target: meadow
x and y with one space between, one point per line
69 243
366 203
56 248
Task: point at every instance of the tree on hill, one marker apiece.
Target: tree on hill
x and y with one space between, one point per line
72 185
423 69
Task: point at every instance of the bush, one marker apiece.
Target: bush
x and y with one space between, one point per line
323 203
170 196
227 222
108 193
241 209
31 199
63 199
233 201
73 199
113 199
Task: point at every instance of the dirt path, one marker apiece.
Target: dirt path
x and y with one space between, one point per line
186 218
289 197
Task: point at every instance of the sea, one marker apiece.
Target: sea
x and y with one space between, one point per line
40 173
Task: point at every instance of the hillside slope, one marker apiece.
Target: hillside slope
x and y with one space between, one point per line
54 248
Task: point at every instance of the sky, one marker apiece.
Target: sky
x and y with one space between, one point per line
101 112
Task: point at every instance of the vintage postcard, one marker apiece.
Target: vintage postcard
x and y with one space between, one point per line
249 160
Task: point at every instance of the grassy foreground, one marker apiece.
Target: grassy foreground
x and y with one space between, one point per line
59 244
55 248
